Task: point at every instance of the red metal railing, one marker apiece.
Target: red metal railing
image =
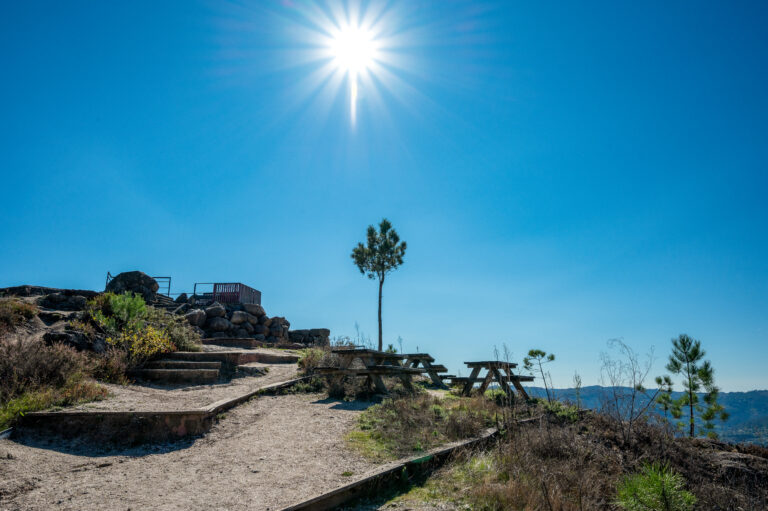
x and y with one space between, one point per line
235 292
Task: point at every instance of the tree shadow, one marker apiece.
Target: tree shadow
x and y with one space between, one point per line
354 405
90 448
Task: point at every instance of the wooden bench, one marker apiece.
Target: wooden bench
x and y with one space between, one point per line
425 359
496 370
375 365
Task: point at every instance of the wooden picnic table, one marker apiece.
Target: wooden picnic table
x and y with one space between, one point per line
375 365
496 370
425 359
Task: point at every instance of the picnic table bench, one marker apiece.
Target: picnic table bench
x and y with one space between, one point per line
432 370
496 370
375 364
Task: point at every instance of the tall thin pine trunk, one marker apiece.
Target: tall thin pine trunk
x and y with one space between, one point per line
381 285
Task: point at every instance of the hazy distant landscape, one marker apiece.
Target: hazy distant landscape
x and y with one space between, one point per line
748 421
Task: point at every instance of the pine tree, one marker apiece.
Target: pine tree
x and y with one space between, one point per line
687 359
382 254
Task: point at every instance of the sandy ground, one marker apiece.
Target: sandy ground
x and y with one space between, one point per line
150 397
264 455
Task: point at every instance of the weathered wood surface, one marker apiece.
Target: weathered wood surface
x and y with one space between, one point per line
487 364
497 370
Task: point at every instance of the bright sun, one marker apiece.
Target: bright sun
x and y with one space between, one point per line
354 49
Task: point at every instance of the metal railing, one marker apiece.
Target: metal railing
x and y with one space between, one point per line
228 292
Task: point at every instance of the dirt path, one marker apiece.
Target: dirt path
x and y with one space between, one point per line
263 455
179 397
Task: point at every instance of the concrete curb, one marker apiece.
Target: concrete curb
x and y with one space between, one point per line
133 428
390 475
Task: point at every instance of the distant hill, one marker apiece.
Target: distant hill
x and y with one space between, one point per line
749 410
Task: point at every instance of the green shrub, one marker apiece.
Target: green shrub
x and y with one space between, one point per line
311 358
562 411
118 313
77 390
498 396
177 328
655 488
139 331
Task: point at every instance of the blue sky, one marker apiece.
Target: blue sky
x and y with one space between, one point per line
563 173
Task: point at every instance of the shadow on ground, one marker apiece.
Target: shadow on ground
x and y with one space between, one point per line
80 447
340 404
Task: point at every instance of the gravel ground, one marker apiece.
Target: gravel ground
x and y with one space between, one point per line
264 455
152 397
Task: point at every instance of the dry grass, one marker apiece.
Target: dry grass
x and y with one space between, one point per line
408 425
34 376
13 312
562 465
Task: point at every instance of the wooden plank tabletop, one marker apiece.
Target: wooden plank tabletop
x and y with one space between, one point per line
491 363
419 356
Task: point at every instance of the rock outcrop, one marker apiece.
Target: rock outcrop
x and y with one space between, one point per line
136 282
248 320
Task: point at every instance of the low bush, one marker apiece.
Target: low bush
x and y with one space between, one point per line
75 391
655 488
112 366
26 365
411 424
139 331
14 312
312 358
34 376
556 464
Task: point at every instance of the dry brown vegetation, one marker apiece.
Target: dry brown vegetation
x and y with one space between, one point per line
34 376
14 312
555 463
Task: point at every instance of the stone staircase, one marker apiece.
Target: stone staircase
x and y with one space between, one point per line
203 367
180 371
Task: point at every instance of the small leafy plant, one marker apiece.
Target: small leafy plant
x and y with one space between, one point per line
655 488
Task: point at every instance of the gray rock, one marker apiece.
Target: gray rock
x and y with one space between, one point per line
239 317
199 331
259 337
218 324
136 282
182 309
241 333
77 340
260 329
247 327
219 335
182 298
320 332
253 320
60 301
255 309
216 311
265 320
196 317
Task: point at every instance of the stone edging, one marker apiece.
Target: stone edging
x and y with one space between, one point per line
389 475
137 427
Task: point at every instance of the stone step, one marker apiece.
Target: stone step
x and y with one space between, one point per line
182 364
233 358
233 342
179 375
